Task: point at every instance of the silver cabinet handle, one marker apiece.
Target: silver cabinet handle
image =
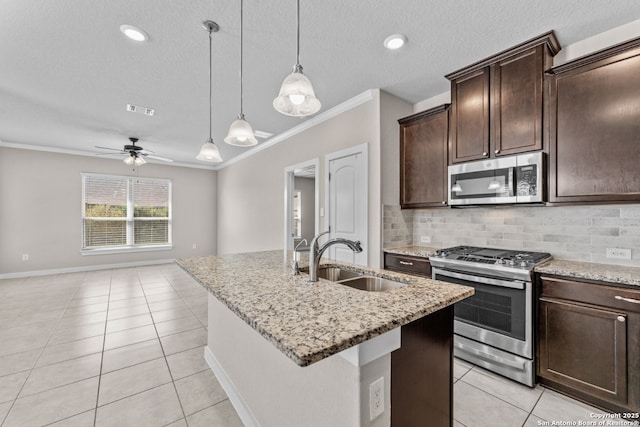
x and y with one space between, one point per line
406 263
631 300
497 151
484 153
621 319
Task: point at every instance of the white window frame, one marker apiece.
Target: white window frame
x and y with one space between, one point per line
130 246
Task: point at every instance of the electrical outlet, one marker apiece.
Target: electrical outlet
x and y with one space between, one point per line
619 253
425 239
193 246
25 257
376 398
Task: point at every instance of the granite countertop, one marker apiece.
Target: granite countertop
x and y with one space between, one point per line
419 251
616 274
311 321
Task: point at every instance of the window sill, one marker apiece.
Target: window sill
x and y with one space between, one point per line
124 250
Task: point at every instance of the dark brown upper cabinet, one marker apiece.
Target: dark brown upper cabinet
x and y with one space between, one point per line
498 104
423 158
595 127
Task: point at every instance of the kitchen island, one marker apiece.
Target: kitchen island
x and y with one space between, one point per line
337 340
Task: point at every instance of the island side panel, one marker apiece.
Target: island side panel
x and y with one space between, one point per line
422 373
277 392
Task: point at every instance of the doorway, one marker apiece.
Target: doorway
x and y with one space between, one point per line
301 195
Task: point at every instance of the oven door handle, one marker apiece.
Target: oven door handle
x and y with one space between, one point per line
489 357
514 284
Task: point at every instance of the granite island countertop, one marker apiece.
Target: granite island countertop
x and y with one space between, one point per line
311 321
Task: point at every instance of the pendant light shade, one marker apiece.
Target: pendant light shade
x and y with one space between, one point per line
240 131
209 151
296 97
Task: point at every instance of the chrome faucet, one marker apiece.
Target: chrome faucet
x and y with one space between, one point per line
316 252
296 257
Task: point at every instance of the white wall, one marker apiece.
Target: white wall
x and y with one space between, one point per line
331 392
251 192
391 109
41 202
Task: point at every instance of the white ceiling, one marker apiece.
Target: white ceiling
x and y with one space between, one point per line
66 71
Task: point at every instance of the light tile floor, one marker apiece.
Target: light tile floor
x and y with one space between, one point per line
124 347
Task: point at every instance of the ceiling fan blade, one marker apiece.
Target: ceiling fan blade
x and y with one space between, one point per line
146 152
108 148
164 159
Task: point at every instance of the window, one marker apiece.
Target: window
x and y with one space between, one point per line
120 212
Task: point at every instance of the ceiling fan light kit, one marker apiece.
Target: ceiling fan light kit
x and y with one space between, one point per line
297 97
135 153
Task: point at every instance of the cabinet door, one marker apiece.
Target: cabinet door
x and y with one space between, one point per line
423 159
469 139
584 348
516 103
595 128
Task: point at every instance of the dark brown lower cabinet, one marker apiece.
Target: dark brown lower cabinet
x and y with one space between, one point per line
589 342
422 368
422 373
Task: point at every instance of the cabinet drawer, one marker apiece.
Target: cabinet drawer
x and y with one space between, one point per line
408 264
591 293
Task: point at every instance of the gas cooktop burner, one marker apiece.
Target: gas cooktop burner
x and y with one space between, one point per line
490 256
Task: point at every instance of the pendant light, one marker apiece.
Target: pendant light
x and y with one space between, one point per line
296 97
209 151
240 131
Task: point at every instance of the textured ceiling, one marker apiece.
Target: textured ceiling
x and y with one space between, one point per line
66 71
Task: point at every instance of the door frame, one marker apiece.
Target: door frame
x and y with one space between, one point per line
356 149
289 173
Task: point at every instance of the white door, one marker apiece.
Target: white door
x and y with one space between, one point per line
347 199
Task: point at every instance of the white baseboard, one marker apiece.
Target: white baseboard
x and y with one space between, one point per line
245 414
80 269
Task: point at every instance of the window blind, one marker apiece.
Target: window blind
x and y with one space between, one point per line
123 212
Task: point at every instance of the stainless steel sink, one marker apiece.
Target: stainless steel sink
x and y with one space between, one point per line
372 284
336 273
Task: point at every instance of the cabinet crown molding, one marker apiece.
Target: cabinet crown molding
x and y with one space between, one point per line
424 114
547 39
626 50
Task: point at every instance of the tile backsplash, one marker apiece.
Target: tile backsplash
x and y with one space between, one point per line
579 233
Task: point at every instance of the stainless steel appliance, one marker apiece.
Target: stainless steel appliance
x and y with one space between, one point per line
513 179
494 327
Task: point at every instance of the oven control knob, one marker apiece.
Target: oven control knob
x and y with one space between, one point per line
499 261
511 262
523 263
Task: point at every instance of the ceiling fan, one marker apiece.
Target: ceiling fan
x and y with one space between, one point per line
135 153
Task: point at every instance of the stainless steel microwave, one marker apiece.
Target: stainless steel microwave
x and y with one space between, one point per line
509 179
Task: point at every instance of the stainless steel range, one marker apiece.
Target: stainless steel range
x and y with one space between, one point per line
494 327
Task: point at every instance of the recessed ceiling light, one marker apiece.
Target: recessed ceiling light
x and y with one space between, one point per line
134 33
395 41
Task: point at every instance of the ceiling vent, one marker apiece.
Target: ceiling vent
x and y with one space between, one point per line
142 110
